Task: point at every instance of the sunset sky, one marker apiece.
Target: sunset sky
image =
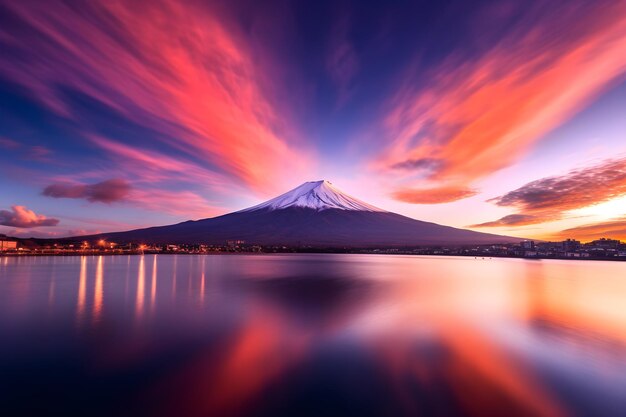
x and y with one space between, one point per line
505 117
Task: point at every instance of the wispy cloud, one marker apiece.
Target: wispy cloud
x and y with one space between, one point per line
480 115
29 152
342 62
38 153
516 220
177 202
432 195
548 199
154 166
181 203
7 143
20 216
615 229
178 68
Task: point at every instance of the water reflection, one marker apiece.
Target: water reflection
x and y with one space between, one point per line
98 292
82 289
582 306
141 278
320 335
174 268
153 285
51 292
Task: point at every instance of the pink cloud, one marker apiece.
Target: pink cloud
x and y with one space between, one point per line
153 166
176 67
477 117
182 203
20 216
106 191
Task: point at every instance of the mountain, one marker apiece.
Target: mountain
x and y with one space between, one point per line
314 214
316 195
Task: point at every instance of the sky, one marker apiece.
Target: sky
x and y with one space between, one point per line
506 117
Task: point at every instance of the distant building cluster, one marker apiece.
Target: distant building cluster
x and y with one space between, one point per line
46 247
568 249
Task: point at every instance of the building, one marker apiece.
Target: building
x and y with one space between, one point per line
605 243
7 245
570 245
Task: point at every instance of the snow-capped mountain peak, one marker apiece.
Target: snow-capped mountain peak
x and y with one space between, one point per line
317 195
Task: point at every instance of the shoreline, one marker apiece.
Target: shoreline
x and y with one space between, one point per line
321 252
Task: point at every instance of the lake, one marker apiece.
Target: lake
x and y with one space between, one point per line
311 335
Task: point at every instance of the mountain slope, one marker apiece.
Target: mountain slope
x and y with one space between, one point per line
314 214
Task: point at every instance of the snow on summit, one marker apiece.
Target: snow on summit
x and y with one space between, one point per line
317 195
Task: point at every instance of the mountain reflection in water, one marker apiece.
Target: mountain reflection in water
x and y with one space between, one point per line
311 335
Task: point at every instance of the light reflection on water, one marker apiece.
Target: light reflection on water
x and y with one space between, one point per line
98 292
311 335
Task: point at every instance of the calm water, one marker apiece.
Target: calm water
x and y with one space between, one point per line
311 335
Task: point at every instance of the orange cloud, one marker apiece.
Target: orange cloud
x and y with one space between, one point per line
477 117
614 229
432 195
547 199
178 68
518 220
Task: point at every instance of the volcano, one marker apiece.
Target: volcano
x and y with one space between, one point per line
315 214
